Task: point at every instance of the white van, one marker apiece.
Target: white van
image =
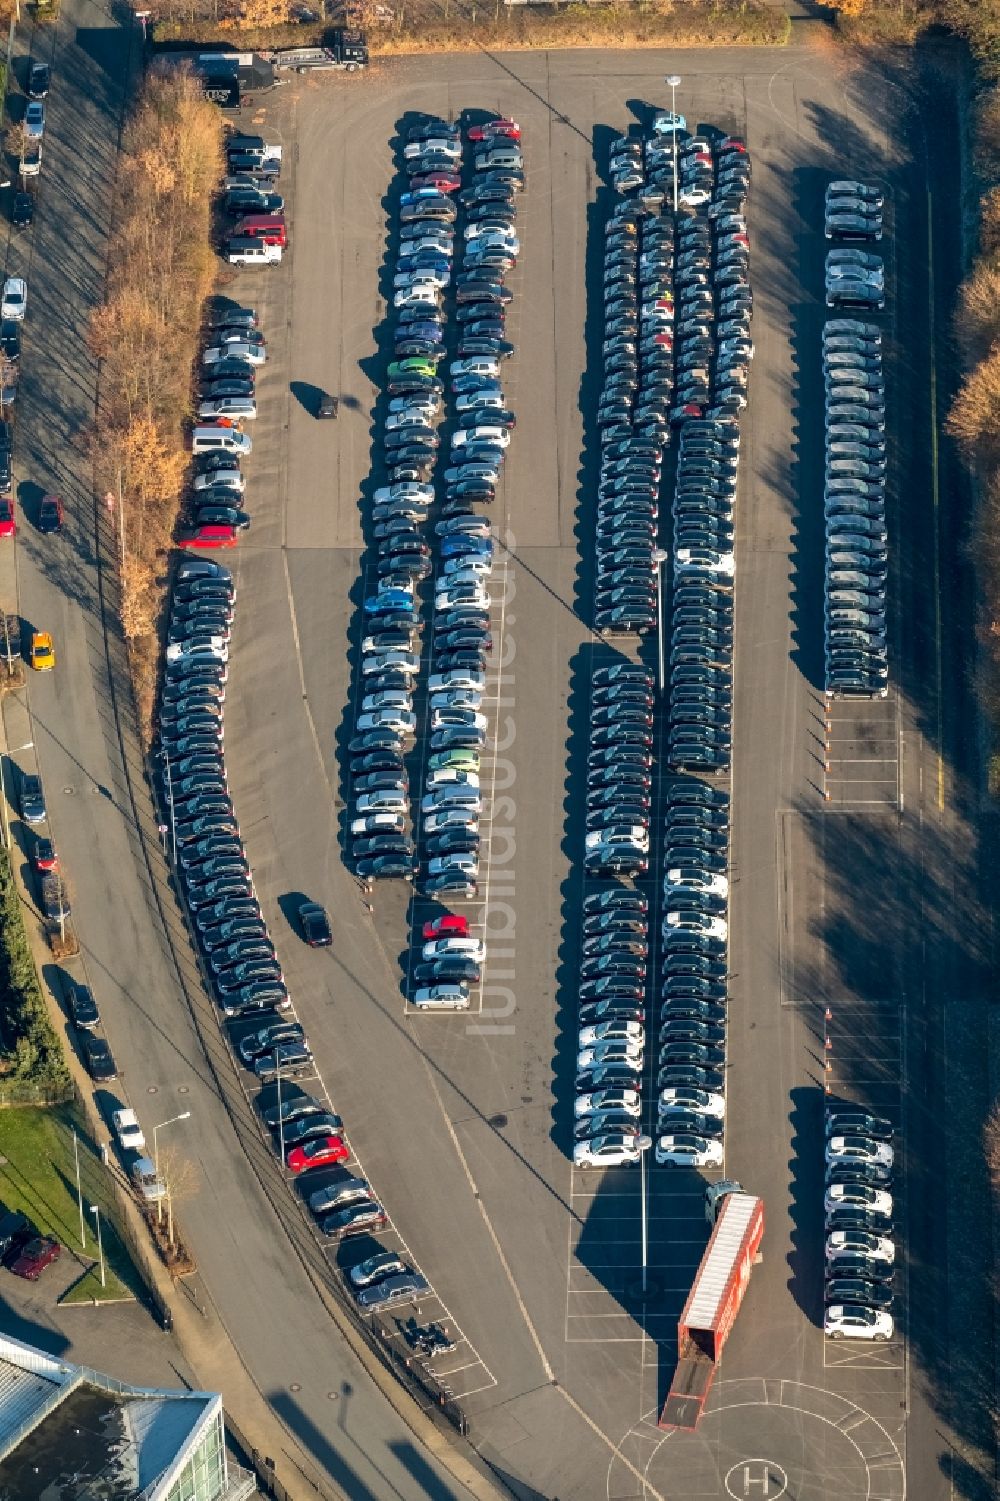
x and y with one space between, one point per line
245 251
220 440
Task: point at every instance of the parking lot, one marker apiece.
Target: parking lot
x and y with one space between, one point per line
463 1122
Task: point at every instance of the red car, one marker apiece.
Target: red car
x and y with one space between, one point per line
34 1256
448 926
494 128
445 182
45 856
206 536
322 1151
8 522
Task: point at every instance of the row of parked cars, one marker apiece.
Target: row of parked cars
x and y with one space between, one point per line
633 415
858 1223
238 955
257 233
692 997
480 424
233 352
700 655
856 574
460 549
853 211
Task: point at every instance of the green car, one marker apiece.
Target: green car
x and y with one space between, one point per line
460 760
411 367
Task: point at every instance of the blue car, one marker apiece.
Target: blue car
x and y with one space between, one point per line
433 333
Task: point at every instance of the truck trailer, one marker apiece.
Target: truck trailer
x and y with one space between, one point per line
714 1300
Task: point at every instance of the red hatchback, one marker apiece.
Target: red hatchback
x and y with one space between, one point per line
204 536
445 182
323 1151
448 926
496 129
34 1256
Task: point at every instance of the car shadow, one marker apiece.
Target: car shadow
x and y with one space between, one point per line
307 395
290 902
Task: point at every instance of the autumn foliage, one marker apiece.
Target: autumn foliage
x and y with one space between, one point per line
146 337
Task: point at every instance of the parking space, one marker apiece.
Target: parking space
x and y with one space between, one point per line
861 767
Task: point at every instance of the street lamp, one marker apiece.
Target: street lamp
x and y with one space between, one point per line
673 79
660 556
95 1210
170 800
28 745
156 1155
643 1143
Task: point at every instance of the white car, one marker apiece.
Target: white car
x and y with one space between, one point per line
462 596
407 490
456 775
630 1054
479 364
400 720
410 417
388 800
451 818
440 720
677 879
441 998
499 437
15 299
456 698
457 677
633 1032
699 922
636 836
702 1101
474 566
463 948
683 1150
438 146
243 408
254 354
422 296
230 479
613 1150
215 647
627 1100
389 698
468 864
850 1242
452 795
859 1149
476 230
705 560
437 237
426 276
378 823
857 1196
693 197
390 661
486 396
851 1321
428 403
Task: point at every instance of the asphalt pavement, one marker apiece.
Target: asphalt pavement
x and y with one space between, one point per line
462 1121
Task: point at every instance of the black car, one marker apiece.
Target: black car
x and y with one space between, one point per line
22 210
98 1058
83 1008
32 800
384 867
441 971
38 81
843 1288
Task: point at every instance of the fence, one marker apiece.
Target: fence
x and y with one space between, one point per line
18 1092
415 1374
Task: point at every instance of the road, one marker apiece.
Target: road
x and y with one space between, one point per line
462 1122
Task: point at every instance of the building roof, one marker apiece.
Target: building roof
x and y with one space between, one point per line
67 1433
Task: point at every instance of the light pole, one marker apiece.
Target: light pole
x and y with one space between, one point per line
673 79
28 745
79 1192
660 556
644 1143
95 1210
186 1115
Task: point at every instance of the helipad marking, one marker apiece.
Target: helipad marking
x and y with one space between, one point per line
756 1477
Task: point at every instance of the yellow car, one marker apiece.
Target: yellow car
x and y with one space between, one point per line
43 653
